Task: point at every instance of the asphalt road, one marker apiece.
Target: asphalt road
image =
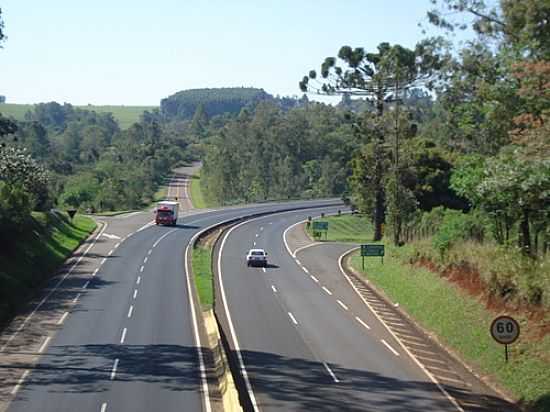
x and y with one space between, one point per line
117 333
304 339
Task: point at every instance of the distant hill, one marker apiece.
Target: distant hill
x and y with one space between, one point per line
215 101
125 115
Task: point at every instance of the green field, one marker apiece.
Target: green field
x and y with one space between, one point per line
36 258
459 320
125 115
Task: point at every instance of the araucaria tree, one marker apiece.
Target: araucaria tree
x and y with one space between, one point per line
380 77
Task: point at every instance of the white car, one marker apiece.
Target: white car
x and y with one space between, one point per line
256 257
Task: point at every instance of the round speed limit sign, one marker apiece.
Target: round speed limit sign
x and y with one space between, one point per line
505 330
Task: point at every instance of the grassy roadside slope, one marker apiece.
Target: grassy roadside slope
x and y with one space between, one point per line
195 192
459 320
34 259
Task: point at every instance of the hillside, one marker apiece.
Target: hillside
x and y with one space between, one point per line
124 115
184 104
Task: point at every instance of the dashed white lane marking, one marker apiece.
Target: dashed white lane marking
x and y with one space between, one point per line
62 318
358 319
86 284
331 373
117 245
342 304
326 290
292 318
390 348
254 244
150 251
103 260
95 272
135 293
44 344
141 268
138 280
298 262
263 269
314 278
257 235
123 335
76 297
274 289
20 382
145 260
305 269
130 311
110 252
113 371
103 407
261 228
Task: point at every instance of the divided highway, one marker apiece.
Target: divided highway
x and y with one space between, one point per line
121 335
307 342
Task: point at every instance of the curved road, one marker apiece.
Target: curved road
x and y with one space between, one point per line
116 332
304 340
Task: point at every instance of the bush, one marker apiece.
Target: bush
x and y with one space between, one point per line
456 226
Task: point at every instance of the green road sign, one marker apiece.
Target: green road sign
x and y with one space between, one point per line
372 250
320 226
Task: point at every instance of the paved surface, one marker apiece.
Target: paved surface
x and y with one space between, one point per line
114 331
305 340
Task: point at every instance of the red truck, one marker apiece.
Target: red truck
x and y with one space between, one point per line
167 213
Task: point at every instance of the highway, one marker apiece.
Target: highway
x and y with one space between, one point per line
116 332
303 338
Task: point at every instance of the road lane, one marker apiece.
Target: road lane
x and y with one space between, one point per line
325 359
157 362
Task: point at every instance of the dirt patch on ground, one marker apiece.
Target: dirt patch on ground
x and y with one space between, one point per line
468 280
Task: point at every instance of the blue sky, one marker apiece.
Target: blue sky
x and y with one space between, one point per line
137 52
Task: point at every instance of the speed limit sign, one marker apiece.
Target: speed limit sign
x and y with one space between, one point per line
505 330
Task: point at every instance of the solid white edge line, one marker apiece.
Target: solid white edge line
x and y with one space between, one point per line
230 322
358 319
53 290
20 382
130 311
62 318
44 344
103 407
327 291
422 367
292 318
342 304
390 347
331 373
103 261
113 371
123 335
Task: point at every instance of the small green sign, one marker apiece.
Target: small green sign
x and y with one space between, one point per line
372 250
320 226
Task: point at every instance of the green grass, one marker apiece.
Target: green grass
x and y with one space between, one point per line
196 194
37 255
202 270
459 320
347 228
125 115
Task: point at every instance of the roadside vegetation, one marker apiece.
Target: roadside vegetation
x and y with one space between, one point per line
196 192
202 272
449 299
31 257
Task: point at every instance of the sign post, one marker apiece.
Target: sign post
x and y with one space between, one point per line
371 249
505 330
319 227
